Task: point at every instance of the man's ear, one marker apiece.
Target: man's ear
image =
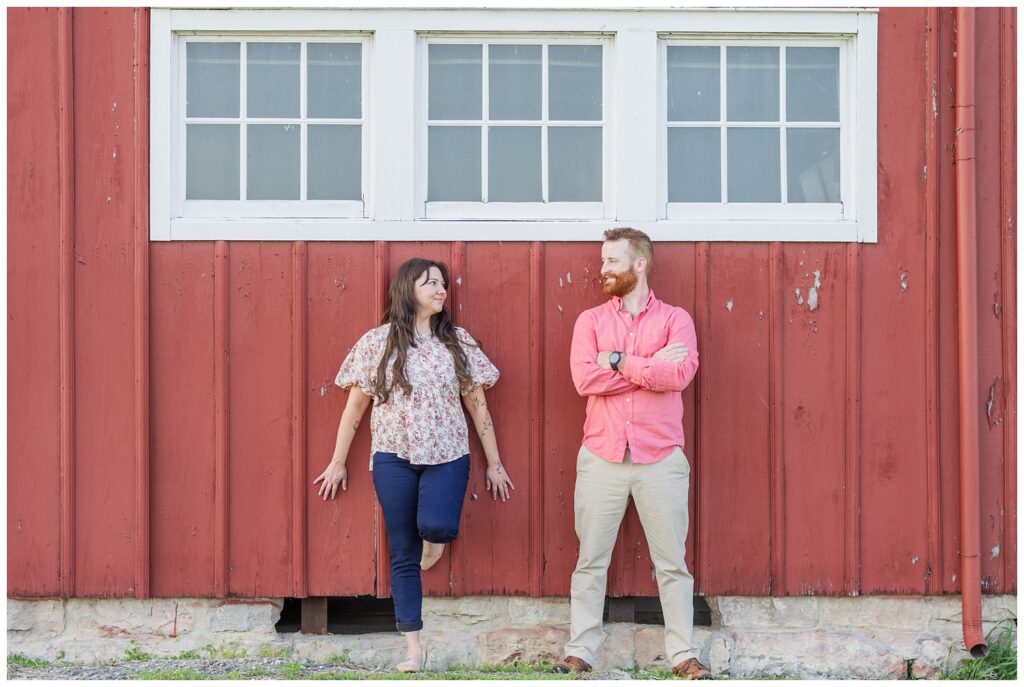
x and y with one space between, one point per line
641 265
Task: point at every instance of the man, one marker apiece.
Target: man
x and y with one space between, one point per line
631 357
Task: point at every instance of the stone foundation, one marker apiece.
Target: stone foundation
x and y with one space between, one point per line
864 637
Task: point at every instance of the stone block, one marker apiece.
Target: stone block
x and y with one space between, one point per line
946 614
932 655
128 618
525 611
649 643
719 653
467 611
617 650
526 645
765 612
376 650
249 615
999 608
871 612
41 617
443 650
819 653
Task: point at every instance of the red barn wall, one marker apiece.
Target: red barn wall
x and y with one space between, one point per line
170 402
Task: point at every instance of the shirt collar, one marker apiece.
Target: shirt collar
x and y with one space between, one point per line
617 302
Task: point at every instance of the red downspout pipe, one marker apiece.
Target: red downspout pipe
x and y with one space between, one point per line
967 301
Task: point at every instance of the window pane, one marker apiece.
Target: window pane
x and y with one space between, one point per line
694 165
754 165
574 82
694 83
812 156
211 162
574 163
334 80
812 84
272 88
212 79
453 163
334 162
513 163
456 81
752 84
272 154
514 81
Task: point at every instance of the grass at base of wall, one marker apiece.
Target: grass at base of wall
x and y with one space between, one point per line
1000 664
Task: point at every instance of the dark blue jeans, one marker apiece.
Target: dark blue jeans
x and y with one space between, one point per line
419 502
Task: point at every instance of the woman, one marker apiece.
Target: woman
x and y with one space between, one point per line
414 367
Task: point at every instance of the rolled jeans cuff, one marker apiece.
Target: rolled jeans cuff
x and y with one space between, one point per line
410 627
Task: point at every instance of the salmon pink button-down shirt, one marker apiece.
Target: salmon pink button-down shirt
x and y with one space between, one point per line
641 406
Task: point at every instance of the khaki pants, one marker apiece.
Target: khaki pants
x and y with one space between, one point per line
660 491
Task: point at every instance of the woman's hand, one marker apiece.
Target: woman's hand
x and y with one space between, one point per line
498 482
334 474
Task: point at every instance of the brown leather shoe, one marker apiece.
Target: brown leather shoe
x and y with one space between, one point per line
571 664
692 669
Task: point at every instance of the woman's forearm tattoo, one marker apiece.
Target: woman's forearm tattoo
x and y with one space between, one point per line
487 426
355 426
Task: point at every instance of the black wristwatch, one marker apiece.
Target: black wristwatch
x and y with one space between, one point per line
614 359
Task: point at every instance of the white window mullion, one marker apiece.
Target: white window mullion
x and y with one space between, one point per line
484 73
544 122
784 178
243 111
722 117
303 56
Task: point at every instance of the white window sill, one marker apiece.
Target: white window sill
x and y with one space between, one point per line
265 229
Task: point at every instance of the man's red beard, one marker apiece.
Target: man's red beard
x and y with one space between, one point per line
619 283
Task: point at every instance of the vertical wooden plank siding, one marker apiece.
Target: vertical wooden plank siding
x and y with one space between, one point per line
811 555
342 305
38 233
893 469
737 521
1008 317
222 393
140 260
104 303
299 431
171 403
991 377
186 534
259 421
934 565
490 550
538 525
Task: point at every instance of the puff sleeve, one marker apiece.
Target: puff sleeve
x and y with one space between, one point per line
360 365
481 369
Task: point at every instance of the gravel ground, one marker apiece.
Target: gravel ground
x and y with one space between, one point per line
253 668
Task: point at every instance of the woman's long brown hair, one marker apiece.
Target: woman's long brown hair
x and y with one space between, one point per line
400 313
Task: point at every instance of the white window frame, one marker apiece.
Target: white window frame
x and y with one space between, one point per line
545 210
724 210
244 208
634 154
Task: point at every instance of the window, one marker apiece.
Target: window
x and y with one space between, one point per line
755 129
514 129
432 123
272 126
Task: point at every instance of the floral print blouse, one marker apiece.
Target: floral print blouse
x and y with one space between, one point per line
426 427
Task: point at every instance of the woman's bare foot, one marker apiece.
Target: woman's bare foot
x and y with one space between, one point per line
431 555
413 663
